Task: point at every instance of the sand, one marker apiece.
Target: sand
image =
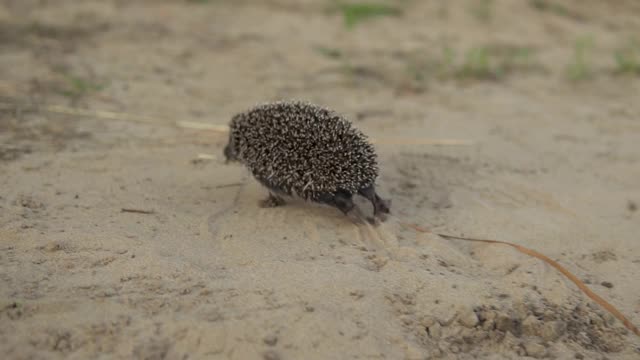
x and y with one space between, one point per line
200 271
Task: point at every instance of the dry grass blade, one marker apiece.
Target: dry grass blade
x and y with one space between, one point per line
419 141
120 116
224 128
206 156
382 141
100 114
228 185
202 126
595 297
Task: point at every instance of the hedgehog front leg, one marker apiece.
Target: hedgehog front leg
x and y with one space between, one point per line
271 201
379 206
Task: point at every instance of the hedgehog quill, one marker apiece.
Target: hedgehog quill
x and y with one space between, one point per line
299 149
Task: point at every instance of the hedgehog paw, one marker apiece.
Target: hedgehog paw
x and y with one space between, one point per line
272 201
380 207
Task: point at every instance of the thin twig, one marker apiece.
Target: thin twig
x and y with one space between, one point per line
138 211
202 126
228 185
602 302
218 128
419 141
101 114
134 118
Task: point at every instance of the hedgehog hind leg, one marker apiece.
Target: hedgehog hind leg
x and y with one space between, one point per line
341 200
272 201
380 206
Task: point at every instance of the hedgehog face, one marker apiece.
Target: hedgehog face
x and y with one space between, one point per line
231 150
230 153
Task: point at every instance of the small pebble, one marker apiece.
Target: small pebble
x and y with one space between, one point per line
535 350
505 323
427 321
413 353
270 340
270 355
468 318
607 284
552 330
531 325
435 331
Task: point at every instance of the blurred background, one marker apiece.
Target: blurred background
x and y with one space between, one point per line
204 58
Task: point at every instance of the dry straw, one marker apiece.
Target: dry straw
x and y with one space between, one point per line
217 128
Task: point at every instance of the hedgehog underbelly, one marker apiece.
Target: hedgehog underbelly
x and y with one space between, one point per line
291 191
288 172
274 187
317 196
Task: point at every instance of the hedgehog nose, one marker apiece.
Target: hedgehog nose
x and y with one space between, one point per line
226 154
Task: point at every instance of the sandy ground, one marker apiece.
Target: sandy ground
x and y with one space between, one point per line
554 166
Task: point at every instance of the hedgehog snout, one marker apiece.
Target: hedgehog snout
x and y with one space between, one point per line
228 154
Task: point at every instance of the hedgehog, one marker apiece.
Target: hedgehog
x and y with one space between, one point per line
299 149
